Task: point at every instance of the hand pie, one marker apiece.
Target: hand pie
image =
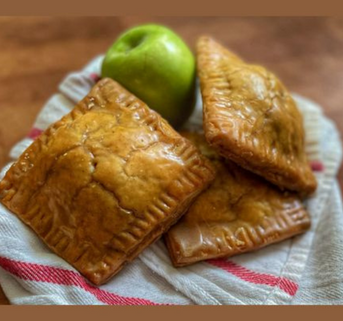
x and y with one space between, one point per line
239 212
105 181
251 119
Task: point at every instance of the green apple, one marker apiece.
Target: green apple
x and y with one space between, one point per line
154 63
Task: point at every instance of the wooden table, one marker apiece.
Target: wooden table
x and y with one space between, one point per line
37 52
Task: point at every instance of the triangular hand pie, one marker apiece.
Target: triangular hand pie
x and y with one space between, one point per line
251 119
238 213
105 181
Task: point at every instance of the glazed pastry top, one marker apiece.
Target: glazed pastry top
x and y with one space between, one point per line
106 179
250 118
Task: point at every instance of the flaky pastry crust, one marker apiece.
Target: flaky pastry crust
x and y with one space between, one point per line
105 181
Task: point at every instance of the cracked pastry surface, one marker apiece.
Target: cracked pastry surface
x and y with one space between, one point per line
251 119
239 212
105 181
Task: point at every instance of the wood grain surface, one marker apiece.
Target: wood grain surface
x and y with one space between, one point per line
37 52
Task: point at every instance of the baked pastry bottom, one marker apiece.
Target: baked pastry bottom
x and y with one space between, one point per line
240 212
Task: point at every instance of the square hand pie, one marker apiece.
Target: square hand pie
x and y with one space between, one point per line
251 119
239 212
105 181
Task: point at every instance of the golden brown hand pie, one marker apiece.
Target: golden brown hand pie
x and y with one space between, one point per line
104 182
251 119
238 213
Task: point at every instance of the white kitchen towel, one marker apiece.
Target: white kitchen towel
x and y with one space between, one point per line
307 269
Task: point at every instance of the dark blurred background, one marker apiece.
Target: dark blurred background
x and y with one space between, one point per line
37 52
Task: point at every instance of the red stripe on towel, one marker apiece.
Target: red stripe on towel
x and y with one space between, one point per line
247 275
95 77
34 133
49 274
317 166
